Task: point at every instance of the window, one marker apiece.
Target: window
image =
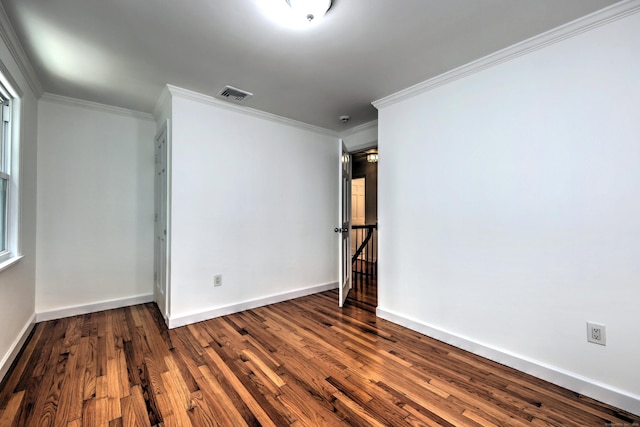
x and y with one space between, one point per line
8 174
5 176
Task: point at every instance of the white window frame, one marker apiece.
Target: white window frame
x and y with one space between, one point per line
10 167
5 173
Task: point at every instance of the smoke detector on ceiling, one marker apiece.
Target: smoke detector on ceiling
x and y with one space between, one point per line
344 119
234 94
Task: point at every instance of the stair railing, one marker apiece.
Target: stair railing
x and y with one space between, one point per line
365 259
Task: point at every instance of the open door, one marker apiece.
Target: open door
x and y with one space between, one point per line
344 218
161 270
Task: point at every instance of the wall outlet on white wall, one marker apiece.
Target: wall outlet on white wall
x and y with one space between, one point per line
217 280
596 333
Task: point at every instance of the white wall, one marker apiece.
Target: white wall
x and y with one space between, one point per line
255 200
509 210
95 204
17 282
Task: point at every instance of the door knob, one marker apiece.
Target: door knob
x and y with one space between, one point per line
337 230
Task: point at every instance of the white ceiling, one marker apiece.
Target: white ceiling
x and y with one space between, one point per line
122 52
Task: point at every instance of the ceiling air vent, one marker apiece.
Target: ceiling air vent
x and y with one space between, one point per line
234 94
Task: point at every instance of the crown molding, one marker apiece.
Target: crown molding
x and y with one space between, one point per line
12 42
65 100
248 111
359 128
571 29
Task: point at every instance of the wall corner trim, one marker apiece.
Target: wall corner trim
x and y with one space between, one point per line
65 100
16 347
248 111
78 310
163 98
563 378
175 322
571 29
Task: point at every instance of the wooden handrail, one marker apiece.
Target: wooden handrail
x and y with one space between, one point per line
362 226
370 229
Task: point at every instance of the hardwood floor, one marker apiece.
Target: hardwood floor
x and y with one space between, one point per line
302 362
364 291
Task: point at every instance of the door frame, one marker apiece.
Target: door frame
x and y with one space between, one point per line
162 205
355 150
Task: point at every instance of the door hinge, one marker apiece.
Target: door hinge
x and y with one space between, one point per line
155 218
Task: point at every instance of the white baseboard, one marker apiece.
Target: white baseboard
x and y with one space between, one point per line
93 308
16 346
567 379
176 322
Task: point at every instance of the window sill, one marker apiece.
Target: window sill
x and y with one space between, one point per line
11 261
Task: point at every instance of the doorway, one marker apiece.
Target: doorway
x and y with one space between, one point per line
364 229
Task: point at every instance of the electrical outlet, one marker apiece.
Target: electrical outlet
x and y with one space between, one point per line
596 333
217 280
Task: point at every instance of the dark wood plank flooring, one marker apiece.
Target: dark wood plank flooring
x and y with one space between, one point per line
302 362
364 286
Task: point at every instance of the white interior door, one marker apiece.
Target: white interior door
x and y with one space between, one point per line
344 219
357 210
358 201
161 221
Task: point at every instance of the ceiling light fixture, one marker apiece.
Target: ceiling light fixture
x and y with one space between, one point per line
372 157
310 9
